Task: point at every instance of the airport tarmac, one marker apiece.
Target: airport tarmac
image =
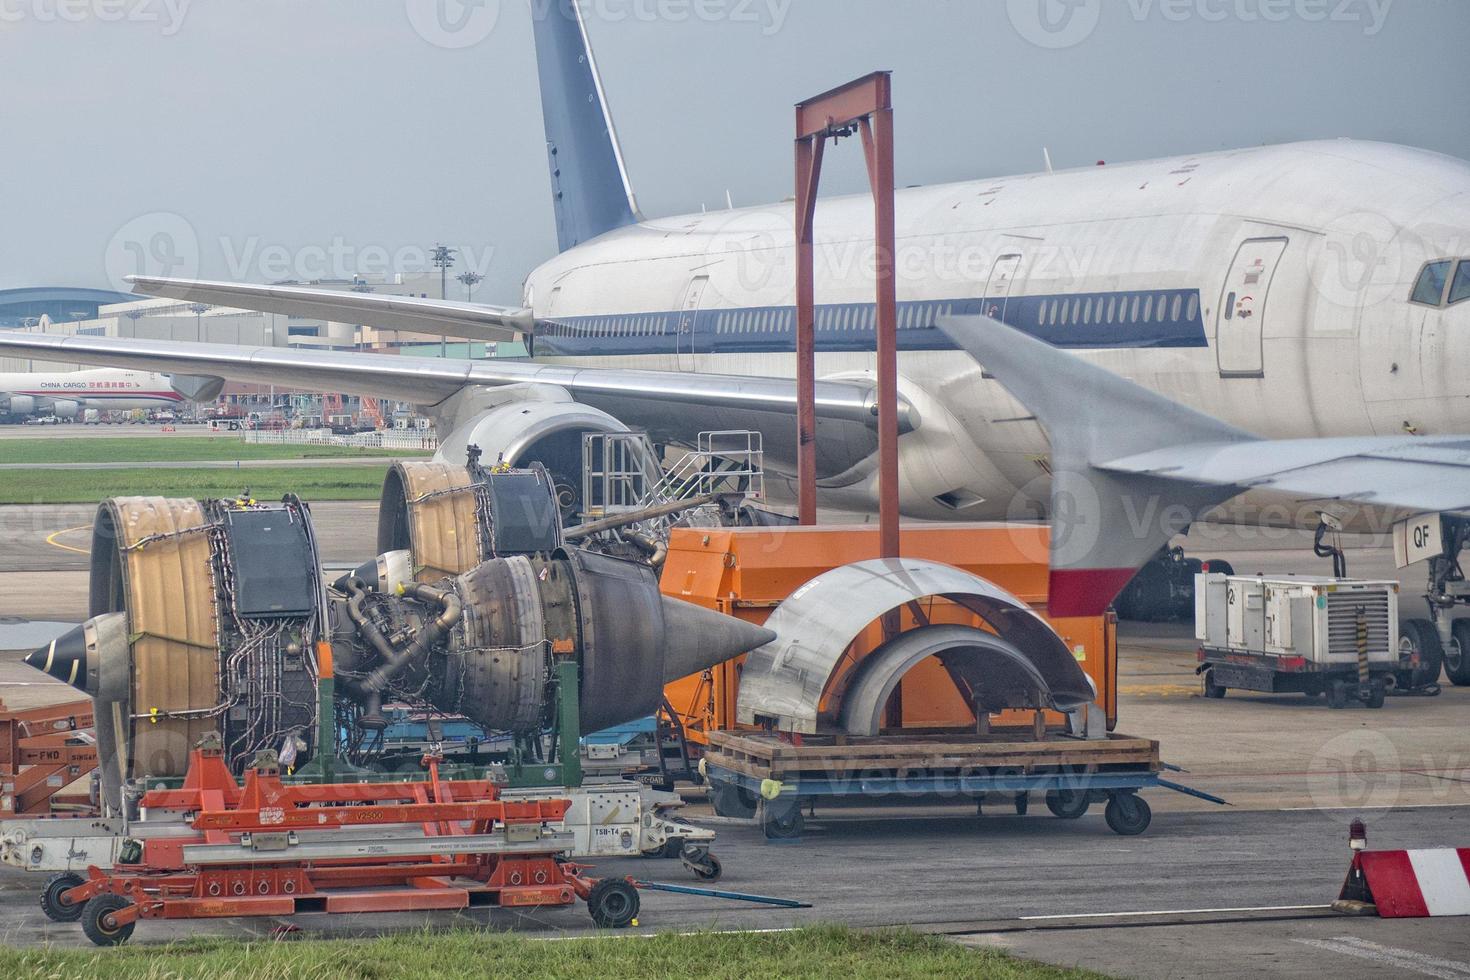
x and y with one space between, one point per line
1236 890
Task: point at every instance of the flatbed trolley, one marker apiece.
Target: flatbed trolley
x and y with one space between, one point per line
771 776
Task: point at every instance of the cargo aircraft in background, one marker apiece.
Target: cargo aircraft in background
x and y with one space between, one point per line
1311 294
68 394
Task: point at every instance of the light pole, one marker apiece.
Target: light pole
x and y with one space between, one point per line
443 259
135 316
198 309
470 280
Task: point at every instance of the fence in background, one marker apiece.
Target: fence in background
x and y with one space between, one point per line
405 439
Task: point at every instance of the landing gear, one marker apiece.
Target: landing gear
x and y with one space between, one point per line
1457 654
1421 654
1163 589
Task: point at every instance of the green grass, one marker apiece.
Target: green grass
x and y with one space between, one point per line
311 483
162 449
822 952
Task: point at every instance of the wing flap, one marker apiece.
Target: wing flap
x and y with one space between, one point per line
441 318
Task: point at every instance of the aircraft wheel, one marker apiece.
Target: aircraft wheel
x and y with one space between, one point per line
1457 654
1420 654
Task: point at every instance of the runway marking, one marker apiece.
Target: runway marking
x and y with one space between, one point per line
1376 806
51 539
1123 915
1404 959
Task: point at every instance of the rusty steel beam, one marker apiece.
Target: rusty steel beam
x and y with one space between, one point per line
864 105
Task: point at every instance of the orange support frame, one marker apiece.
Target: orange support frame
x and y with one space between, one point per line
41 753
747 572
864 105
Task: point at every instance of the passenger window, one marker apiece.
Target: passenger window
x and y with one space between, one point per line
1429 290
1174 307
1460 288
1148 308
1041 313
1192 307
1087 311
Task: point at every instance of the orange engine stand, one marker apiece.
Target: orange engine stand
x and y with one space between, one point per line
268 848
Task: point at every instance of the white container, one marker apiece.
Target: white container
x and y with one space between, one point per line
1296 616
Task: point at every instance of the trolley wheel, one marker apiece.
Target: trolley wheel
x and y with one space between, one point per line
1337 694
97 920
1127 814
1069 804
730 800
1419 637
56 908
1023 803
1457 654
1377 692
706 867
1213 691
613 903
783 820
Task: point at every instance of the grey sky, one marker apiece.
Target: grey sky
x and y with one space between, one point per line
293 134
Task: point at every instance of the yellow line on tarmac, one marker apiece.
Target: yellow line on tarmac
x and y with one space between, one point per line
51 539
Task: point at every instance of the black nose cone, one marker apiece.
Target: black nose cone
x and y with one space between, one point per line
64 658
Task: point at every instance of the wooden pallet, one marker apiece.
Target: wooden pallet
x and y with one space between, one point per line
762 756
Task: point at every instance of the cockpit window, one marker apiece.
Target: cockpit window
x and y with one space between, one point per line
1460 288
1429 290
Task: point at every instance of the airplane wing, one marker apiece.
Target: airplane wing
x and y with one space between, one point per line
427 381
442 318
1423 473
1131 468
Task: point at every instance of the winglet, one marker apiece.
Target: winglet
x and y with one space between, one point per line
1104 525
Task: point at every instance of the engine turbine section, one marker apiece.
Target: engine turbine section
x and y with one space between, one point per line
482 644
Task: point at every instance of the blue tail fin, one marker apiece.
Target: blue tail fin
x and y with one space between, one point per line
588 180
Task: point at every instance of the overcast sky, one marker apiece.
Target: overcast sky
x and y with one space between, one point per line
263 139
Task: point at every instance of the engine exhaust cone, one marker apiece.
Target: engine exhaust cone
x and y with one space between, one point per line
696 639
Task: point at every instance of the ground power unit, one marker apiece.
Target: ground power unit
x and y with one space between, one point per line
1297 634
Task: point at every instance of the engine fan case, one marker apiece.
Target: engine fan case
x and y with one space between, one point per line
166 588
429 509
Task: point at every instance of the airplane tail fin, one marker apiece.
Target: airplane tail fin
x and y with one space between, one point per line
589 182
1105 523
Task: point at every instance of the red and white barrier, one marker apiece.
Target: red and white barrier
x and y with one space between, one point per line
1411 884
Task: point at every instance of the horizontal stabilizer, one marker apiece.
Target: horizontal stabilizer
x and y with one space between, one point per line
1131 468
441 318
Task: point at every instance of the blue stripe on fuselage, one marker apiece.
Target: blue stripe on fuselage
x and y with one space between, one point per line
1131 318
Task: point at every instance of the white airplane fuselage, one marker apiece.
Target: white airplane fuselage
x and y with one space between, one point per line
65 393
1267 287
